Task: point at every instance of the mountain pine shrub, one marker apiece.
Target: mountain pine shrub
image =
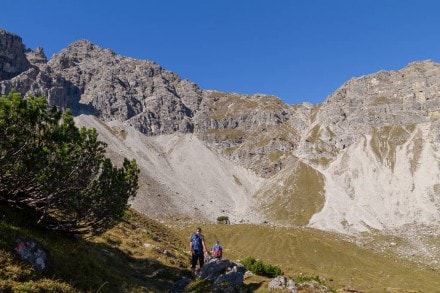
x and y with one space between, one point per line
57 171
258 267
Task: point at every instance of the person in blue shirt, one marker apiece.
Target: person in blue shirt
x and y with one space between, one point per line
197 247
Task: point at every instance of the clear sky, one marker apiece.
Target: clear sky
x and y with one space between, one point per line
300 51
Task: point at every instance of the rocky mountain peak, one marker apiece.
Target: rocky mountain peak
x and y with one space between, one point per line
82 46
82 43
138 92
80 51
36 57
13 59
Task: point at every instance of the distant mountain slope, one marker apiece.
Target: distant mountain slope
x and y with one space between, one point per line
180 176
385 180
380 137
366 158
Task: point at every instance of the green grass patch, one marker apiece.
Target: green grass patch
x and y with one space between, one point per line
322 161
227 105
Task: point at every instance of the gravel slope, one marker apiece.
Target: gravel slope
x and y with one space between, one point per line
180 175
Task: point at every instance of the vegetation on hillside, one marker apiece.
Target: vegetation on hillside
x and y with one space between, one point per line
258 267
136 255
57 172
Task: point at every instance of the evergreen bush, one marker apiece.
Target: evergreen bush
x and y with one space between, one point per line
258 267
57 171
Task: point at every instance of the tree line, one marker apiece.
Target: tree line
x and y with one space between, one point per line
58 172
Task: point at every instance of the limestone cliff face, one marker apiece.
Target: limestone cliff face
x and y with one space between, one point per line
405 97
141 93
375 139
258 131
367 157
13 59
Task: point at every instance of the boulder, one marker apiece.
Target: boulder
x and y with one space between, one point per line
32 252
225 275
282 283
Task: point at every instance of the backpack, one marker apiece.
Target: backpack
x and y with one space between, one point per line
217 251
196 241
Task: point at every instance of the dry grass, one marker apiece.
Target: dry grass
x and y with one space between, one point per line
340 263
127 258
137 255
297 196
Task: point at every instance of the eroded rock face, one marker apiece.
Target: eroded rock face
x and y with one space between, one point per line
13 59
36 57
142 93
408 96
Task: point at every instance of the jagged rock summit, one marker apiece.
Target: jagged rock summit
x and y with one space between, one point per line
13 59
365 159
140 93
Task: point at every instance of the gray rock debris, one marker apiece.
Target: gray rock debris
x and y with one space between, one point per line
282 283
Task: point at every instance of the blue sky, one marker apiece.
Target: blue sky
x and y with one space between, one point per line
300 51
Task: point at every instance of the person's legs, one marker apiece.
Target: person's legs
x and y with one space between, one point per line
201 259
194 258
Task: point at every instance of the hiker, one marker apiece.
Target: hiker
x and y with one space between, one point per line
217 250
197 247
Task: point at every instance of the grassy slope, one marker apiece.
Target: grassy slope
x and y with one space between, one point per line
126 259
295 195
122 259
312 252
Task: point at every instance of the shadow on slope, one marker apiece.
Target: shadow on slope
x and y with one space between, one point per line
131 257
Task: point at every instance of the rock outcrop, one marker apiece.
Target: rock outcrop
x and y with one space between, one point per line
13 59
224 275
409 96
282 283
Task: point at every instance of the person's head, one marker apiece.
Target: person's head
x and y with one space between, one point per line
217 242
198 230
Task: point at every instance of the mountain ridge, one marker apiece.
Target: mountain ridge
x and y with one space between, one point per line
359 161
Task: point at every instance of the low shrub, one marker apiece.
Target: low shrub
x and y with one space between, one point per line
259 268
223 219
